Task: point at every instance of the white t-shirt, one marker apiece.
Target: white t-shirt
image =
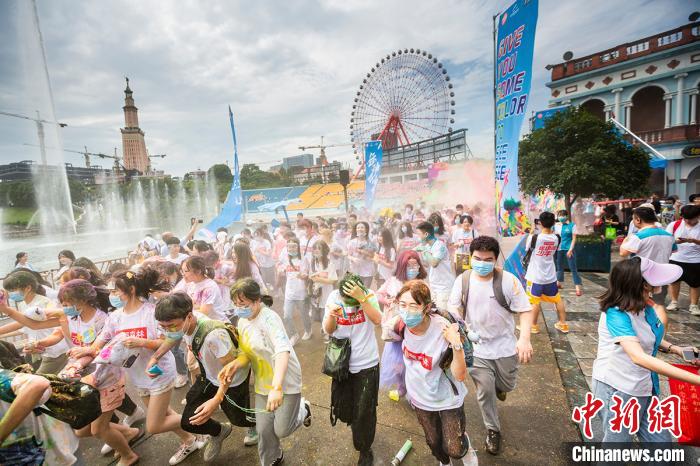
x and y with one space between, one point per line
177 260
495 325
541 268
262 340
359 329
262 249
384 271
687 252
205 292
84 333
360 264
42 302
295 289
463 239
651 242
328 272
217 344
141 324
441 277
426 383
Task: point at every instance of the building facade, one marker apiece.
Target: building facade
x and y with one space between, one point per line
22 171
302 160
650 86
133 143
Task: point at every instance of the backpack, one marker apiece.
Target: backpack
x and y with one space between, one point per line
204 328
676 225
528 254
497 289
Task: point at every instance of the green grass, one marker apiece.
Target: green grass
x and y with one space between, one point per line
16 215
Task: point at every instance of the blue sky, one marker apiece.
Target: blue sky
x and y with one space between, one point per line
288 69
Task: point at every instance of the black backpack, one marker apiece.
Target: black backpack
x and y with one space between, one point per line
533 243
497 289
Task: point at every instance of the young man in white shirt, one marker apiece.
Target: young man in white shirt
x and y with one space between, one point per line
174 251
434 253
498 353
541 274
686 232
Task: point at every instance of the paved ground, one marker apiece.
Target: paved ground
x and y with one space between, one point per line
539 400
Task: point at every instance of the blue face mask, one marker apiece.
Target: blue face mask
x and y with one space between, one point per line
16 296
563 219
71 311
174 335
411 319
412 273
243 312
116 301
482 268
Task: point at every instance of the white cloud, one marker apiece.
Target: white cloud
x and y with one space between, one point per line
288 69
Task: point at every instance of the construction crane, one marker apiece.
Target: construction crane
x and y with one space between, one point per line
322 153
85 153
39 129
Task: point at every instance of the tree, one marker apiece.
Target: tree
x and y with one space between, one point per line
253 178
577 155
221 173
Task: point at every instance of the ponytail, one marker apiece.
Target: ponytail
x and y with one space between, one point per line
145 281
198 264
249 289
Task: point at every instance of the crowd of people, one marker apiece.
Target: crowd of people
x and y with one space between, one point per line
186 312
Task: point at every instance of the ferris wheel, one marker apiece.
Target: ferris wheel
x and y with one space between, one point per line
406 97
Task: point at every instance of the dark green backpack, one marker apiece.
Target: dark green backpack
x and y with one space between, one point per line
204 328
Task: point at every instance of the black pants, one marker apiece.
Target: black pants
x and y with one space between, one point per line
445 432
127 407
202 391
355 403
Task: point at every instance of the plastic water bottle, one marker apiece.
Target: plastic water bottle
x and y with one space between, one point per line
474 336
402 453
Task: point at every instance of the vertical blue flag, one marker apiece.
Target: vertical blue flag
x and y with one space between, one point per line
513 61
233 207
373 167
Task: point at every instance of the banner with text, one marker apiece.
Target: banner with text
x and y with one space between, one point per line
373 167
515 44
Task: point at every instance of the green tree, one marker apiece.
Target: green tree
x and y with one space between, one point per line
253 178
577 155
221 173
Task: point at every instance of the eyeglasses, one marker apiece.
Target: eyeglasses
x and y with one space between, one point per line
412 307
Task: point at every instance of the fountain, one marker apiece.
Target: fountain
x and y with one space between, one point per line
55 210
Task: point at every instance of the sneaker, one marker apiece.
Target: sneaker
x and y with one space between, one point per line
306 336
470 459
251 437
184 451
137 416
294 339
501 395
493 442
279 460
106 450
672 306
213 446
326 338
366 458
563 328
694 309
181 380
535 329
307 417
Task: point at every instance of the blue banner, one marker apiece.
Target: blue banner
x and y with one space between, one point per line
514 263
373 167
541 116
233 207
514 50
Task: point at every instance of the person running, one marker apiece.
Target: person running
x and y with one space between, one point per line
22 261
83 323
263 252
323 278
439 229
352 312
464 234
687 234
65 260
23 302
629 336
435 255
385 257
361 253
435 374
246 266
296 270
279 407
135 318
175 254
407 240
214 345
541 274
566 229
198 282
497 354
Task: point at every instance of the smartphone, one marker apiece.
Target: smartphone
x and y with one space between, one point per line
200 221
689 354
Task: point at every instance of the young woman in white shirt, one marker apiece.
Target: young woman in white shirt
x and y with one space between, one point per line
323 278
385 257
295 268
263 252
435 375
361 251
407 239
279 407
352 312
198 283
135 317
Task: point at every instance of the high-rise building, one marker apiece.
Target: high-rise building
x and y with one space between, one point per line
133 142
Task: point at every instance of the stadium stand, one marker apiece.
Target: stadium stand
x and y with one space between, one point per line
254 198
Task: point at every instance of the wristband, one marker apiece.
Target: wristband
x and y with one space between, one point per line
276 388
367 296
668 350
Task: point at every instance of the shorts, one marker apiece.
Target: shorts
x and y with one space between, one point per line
691 273
660 297
548 293
155 391
112 397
